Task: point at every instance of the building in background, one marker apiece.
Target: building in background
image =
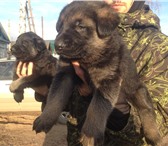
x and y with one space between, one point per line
4 42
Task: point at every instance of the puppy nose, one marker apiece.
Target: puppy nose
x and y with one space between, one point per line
60 45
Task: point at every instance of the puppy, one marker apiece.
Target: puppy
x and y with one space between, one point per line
87 33
30 47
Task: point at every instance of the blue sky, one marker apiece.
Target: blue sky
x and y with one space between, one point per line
50 9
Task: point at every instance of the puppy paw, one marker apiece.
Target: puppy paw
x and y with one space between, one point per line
39 97
43 123
91 141
39 125
18 96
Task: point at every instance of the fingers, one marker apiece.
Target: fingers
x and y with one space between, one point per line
84 89
24 69
19 68
79 71
75 63
30 68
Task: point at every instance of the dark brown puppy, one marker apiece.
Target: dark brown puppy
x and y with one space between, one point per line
30 47
87 33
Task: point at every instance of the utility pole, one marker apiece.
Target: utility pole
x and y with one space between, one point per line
42 26
9 30
9 45
30 17
22 17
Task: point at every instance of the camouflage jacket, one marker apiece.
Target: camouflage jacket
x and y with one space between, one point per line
149 48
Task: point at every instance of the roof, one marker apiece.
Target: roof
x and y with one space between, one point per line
3 35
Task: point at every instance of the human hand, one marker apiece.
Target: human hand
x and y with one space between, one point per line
24 69
84 89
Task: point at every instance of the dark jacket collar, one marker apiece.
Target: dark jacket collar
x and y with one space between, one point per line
140 19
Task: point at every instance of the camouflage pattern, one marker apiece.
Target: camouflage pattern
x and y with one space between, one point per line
149 48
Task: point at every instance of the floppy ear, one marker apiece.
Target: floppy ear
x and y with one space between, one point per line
39 43
59 24
60 19
107 21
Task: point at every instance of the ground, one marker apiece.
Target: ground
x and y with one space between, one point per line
16 130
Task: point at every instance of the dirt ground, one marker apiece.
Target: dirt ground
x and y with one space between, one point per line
16 130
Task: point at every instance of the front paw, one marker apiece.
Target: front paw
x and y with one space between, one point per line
39 125
39 97
18 96
91 141
43 123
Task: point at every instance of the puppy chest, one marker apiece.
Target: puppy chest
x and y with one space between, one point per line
99 76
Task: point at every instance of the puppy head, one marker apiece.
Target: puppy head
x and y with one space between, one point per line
84 30
28 46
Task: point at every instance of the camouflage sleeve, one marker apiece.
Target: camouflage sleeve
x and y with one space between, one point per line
153 69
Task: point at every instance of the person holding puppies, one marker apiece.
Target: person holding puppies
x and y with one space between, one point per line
140 29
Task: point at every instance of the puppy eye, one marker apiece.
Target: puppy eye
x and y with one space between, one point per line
80 26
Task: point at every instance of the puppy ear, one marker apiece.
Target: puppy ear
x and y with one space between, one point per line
59 25
39 43
60 19
107 21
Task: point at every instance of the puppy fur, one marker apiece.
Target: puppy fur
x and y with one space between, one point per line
87 33
30 47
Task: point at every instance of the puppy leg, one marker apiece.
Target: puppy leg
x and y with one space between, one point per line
95 123
143 103
20 83
18 95
39 97
59 94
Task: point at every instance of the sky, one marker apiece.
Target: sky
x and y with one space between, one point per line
49 10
